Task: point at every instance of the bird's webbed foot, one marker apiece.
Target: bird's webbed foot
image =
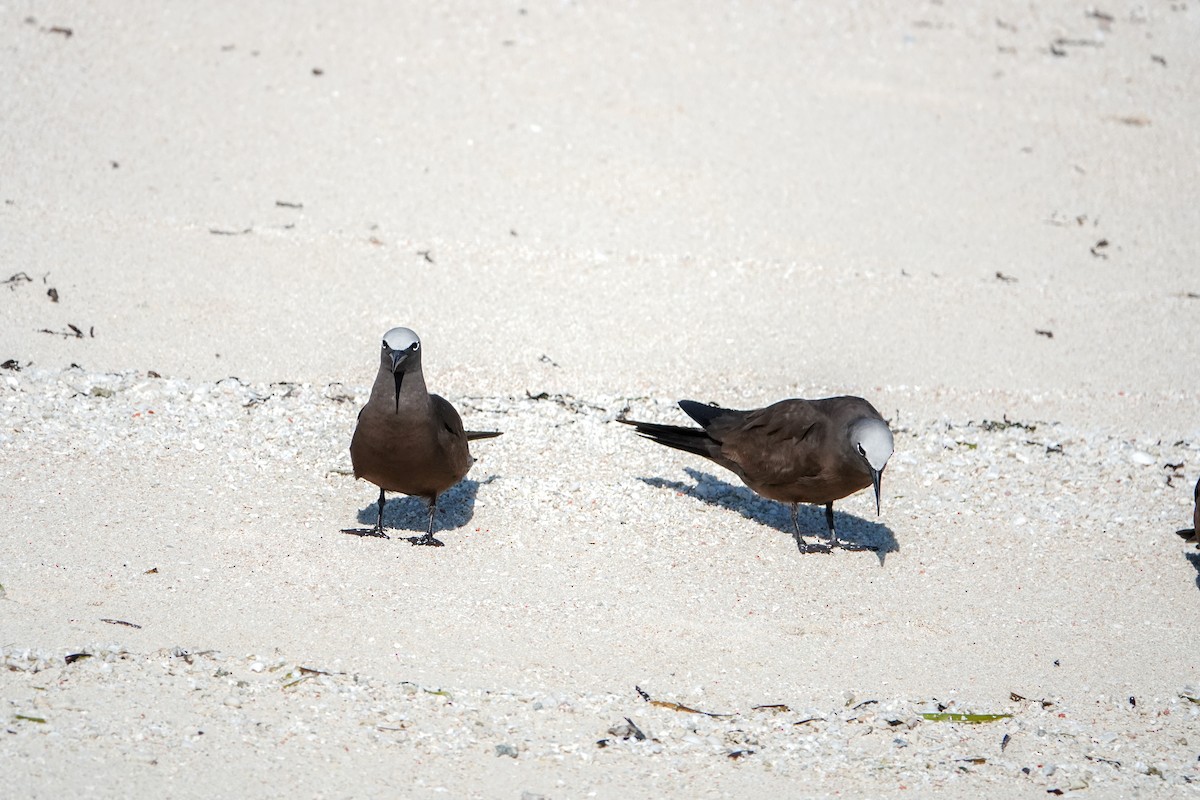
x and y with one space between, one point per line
813 547
428 540
377 532
853 547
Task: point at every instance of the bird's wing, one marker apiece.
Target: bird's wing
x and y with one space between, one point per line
449 422
778 444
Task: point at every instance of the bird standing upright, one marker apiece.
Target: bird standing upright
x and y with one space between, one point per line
795 451
408 440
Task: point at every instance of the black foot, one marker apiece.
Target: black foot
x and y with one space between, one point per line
427 540
378 532
805 547
855 547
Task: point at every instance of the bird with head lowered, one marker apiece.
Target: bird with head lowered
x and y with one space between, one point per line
794 451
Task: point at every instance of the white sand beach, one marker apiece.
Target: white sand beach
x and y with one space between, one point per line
981 218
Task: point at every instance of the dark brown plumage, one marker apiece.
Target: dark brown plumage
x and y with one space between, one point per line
795 451
408 440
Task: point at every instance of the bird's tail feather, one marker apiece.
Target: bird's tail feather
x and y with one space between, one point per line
703 413
691 440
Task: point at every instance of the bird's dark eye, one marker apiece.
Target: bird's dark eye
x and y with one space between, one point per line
415 346
861 451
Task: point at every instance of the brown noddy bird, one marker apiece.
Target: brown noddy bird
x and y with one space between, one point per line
1192 534
795 451
408 440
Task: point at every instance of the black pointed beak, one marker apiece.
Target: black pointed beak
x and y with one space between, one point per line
398 359
876 476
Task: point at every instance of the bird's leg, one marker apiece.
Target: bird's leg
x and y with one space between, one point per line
801 545
796 529
833 537
378 529
428 539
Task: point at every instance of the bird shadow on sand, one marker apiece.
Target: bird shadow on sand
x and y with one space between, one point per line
455 509
716 492
1194 560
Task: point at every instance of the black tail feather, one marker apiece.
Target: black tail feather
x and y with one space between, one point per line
691 440
703 413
